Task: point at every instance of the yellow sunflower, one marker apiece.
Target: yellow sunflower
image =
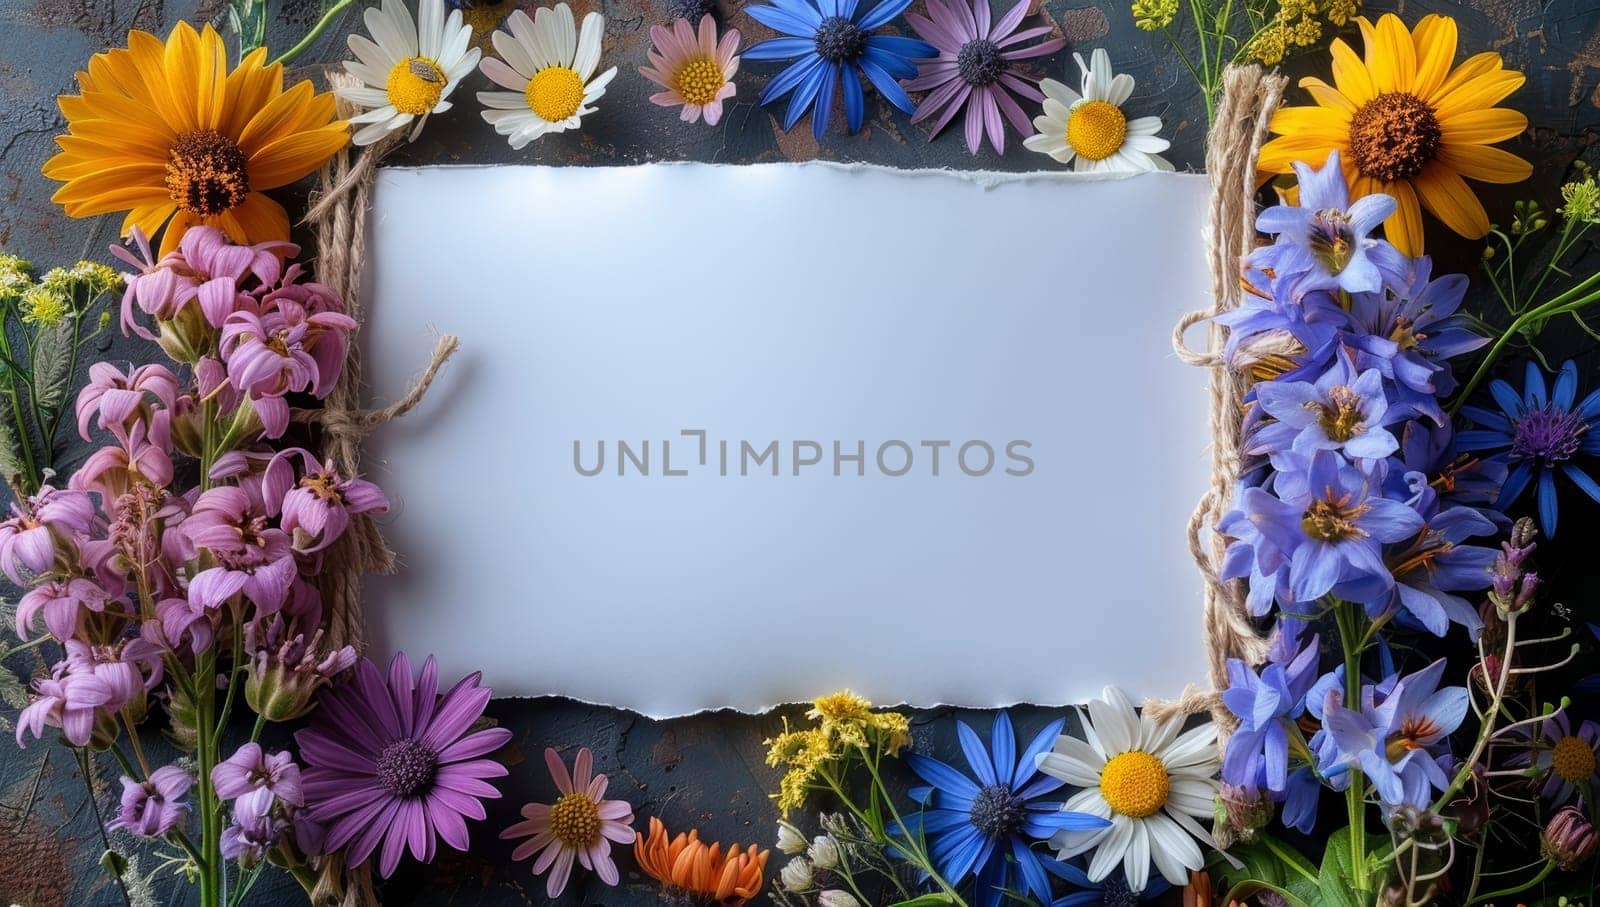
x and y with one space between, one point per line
1408 125
166 133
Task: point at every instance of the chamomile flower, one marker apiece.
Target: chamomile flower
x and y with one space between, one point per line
549 67
1089 130
409 67
1152 783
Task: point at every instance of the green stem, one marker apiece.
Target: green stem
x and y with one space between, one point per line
23 435
210 809
1549 866
1486 731
1349 618
315 32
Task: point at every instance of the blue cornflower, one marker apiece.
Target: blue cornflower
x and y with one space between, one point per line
1398 738
1330 524
1324 243
1541 432
985 827
1420 318
830 40
1112 891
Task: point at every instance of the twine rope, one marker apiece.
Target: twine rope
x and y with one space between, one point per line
1250 95
337 217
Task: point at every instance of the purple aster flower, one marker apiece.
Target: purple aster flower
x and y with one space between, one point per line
974 69
1265 705
1420 318
829 41
1341 410
1331 524
1541 432
393 762
1324 243
63 602
253 556
1398 739
75 703
154 807
1569 760
316 509
250 768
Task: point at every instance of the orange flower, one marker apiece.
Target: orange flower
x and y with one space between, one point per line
686 864
1408 125
166 133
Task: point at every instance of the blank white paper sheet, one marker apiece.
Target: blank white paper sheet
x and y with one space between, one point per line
727 436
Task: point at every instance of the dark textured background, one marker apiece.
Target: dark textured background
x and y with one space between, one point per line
705 771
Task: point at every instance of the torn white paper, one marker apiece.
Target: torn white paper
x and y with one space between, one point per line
738 436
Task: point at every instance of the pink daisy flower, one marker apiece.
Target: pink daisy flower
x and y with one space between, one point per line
580 825
976 69
696 71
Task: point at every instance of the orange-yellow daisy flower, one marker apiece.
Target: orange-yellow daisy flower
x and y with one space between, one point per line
686 865
1408 125
166 133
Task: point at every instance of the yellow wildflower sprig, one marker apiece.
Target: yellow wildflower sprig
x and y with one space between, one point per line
44 323
1239 31
847 733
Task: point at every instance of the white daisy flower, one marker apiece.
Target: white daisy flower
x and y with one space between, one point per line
409 69
547 64
1090 131
1148 780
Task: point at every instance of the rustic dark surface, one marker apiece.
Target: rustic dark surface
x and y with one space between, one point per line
705 771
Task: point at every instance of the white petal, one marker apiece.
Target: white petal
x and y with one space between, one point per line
1136 862
430 28
1112 849
365 97
587 56
513 47
1170 848
1114 723
1120 89
503 100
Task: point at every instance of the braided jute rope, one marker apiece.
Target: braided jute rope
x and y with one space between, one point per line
1250 95
338 218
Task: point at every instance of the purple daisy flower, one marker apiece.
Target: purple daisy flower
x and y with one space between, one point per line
392 762
1569 760
1541 432
974 69
154 807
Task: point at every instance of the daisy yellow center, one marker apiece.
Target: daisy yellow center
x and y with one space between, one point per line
414 85
207 172
1095 129
1394 135
1135 784
555 93
1572 760
698 81
575 821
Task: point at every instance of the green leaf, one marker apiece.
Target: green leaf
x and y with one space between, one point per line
926 900
1337 872
115 863
52 364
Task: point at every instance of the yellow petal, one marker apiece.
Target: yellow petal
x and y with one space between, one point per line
1478 93
1435 41
257 219
249 87
287 159
1320 122
1470 68
1393 61
211 79
1351 75
1448 197
1278 154
174 230
1327 95
1404 228
1482 127
1485 164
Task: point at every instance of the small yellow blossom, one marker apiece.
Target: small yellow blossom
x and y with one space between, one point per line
1154 15
44 307
846 724
96 277
1582 201
16 276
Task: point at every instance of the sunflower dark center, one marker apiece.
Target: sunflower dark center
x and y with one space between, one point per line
980 62
997 812
1548 434
406 766
1394 135
839 40
207 172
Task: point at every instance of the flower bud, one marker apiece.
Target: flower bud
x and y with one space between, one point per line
824 852
186 335
837 899
790 840
796 876
1245 810
1569 839
281 681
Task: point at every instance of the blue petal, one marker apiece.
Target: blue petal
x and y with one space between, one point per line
942 776
957 852
1003 746
854 101
801 100
1485 418
823 111
1548 503
1474 439
1506 397
780 49
791 76
784 21
903 48
885 83
1032 873
972 748
896 64
1585 483
1533 389
1566 389
879 15
1041 742
1069 873
1512 488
